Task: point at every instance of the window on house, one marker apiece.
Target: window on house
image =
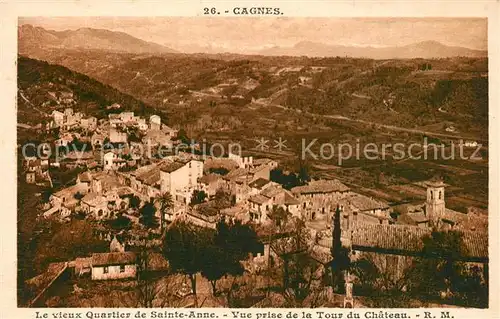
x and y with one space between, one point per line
439 194
122 268
106 269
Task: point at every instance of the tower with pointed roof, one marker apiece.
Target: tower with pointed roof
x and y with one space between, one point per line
435 203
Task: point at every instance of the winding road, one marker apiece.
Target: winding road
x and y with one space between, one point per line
378 125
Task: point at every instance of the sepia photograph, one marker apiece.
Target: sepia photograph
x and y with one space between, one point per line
265 161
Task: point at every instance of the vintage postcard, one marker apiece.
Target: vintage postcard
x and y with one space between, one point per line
252 157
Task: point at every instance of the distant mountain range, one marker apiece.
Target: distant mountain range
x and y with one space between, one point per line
33 38
426 50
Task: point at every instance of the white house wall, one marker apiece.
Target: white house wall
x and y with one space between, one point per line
113 272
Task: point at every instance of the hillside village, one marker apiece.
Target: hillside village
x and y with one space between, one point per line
116 184
122 201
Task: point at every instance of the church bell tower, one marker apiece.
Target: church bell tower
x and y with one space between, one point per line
435 204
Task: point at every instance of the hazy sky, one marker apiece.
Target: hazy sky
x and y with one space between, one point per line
243 34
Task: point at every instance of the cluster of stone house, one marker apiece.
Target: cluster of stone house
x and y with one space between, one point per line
115 128
253 195
115 264
37 171
68 120
394 245
368 225
76 126
100 194
155 132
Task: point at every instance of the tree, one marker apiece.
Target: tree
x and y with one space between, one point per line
144 283
304 282
148 217
191 249
184 247
182 136
153 290
295 239
233 243
219 170
441 273
198 197
67 242
121 222
166 203
217 264
303 174
222 199
377 276
279 215
340 262
134 135
78 145
301 278
288 181
135 201
46 194
78 196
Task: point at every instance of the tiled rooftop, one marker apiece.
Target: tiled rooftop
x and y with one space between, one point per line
116 258
408 239
209 178
123 191
418 217
261 161
93 199
258 199
85 177
259 183
364 203
290 199
150 177
170 167
272 191
389 237
238 172
321 186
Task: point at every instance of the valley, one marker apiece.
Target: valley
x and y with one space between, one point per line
288 172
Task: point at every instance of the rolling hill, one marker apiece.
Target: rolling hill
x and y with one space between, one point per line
400 92
40 84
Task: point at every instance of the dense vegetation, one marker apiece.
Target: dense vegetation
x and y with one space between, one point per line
37 78
345 86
